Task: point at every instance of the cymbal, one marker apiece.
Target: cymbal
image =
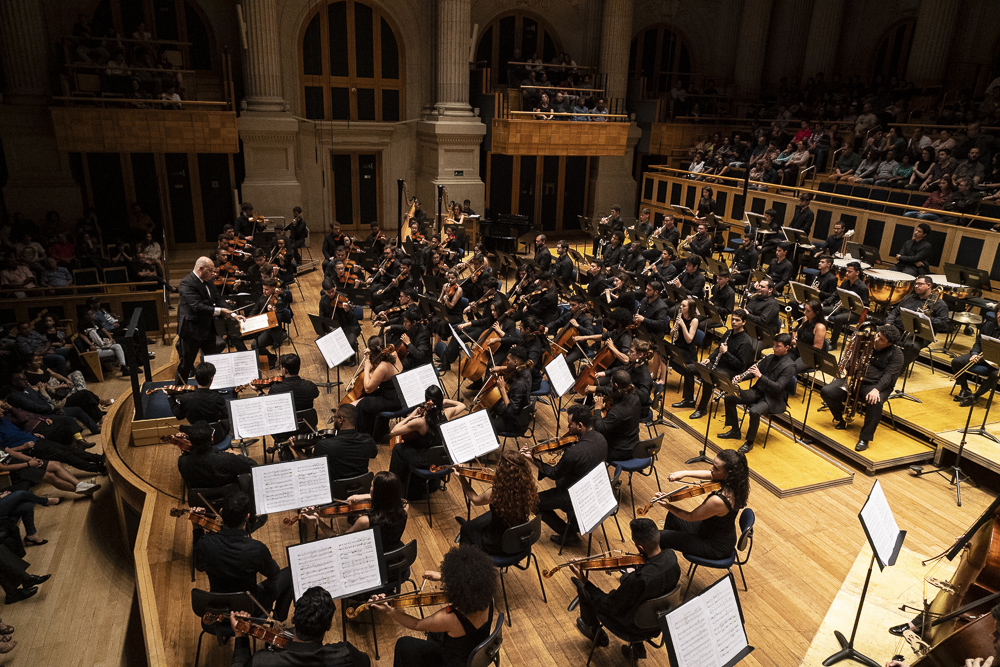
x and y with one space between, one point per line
967 318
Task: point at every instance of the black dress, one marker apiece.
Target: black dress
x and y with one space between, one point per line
441 649
714 538
410 455
383 399
486 532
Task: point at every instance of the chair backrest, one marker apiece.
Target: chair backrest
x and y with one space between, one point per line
616 484
648 448
116 274
203 602
87 276
349 486
309 416
214 495
519 539
747 520
645 613
489 651
437 456
398 562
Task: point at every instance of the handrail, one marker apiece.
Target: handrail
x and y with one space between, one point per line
125 100
798 189
561 113
721 120
130 68
71 290
132 40
577 90
527 64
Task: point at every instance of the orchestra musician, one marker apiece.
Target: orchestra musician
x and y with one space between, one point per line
199 304
668 231
733 356
379 394
590 450
826 281
884 368
303 391
419 431
991 329
349 452
417 339
616 609
853 283
614 220
451 297
312 620
644 226
387 513
535 344
762 308
691 280
780 270
543 256
333 240
510 414
512 499
468 579
272 299
598 280
202 404
620 423
768 396
914 257
342 314
577 317
834 243
617 335
744 259
709 531
297 230
563 269
698 244
723 299
203 467
495 319
802 215
614 254
922 300
663 268
811 331
244 226
985 661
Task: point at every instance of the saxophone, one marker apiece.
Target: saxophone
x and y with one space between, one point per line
854 366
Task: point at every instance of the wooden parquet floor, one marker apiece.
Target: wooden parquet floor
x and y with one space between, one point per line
804 547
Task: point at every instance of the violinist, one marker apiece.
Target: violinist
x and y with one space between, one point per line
312 619
451 297
620 426
513 500
405 279
344 278
297 230
204 467
286 261
510 414
420 433
543 300
349 452
417 339
375 241
333 240
709 531
254 272
434 264
616 609
637 368
414 235
563 269
303 391
769 395
343 314
453 246
232 559
577 317
202 404
590 450
393 317
480 274
244 225
733 356
379 394
387 513
276 300
543 256
468 578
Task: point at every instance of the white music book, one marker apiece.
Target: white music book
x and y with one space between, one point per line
413 383
345 565
233 369
592 498
560 376
286 486
469 437
880 526
335 348
254 323
262 415
692 643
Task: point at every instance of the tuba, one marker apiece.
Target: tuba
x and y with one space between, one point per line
854 365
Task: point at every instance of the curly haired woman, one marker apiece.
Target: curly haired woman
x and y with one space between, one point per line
513 499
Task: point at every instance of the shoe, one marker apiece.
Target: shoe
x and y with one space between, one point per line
460 520
588 632
152 355
8 646
745 449
898 630
85 444
965 393
967 402
90 490
731 434
861 446
697 414
34 543
35 579
571 540
840 425
636 650
682 404
475 386
22 594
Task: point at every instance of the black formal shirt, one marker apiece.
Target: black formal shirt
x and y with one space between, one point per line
802 219
701 245
655 313
765 310
543 257
212 470
655 578
693 283
347 453
724 300
826 283
884 369
621 427
563 269
304 392
739 354
580 458
232 559
745 258
781 272
202 404
913 252
300 654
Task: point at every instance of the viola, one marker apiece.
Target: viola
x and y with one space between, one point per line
609 560
403 600
360 507
482 474
271 637
196 515
171 389
682 493
260 384
180 440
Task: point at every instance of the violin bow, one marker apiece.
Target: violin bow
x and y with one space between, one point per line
209 505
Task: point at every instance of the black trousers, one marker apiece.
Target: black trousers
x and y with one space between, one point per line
981 368
835 395
13 571
79 459
187 351
758 406
554 499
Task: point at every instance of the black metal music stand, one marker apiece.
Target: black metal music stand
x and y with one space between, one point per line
661 348
820 362
322 326
760 332
714 382
803 293
919 326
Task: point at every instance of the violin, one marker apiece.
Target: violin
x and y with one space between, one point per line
605 561
212 524
341 301
180 440
260 384
403 600
384 315
552 444
361 507
482 474
350 279
273 638
682 493
449 292
171 389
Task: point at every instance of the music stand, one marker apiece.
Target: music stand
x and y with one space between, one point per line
660 346
819 361
919 326
712 381
321 326
803 293
760 332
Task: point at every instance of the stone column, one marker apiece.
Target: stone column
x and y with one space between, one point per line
755 19
453 27
616 39
22 47
929 56
824 35
261 60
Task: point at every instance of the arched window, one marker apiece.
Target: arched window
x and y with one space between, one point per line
352 64
658 56
893 52
511 34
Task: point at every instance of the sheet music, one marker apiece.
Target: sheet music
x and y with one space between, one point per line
233 368
263 415
344 565
469 437
880 524
560 375
285 486
254 323
592 498
716 608
461 343
413 383
335 348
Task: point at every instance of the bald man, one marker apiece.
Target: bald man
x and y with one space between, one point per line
199 305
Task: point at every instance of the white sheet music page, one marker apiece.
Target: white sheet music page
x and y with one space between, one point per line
284 486
343 565
263 415
413 383
461 341
254 323
233 369
592 498
694 644
334 348
560 375
469 437
880 524
727 624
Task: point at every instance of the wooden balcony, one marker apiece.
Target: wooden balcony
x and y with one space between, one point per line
538 137
107 130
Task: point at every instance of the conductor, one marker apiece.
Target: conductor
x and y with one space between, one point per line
199 304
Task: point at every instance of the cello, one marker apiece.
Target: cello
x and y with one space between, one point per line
601 362
973 640
490 394
475 366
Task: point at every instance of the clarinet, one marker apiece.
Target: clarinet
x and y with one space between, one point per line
718 355
745 374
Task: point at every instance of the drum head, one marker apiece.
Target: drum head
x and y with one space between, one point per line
887 288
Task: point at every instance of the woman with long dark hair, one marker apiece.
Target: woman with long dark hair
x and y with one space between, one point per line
709 531
513 499
388 511
419 433
812 331
380 395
